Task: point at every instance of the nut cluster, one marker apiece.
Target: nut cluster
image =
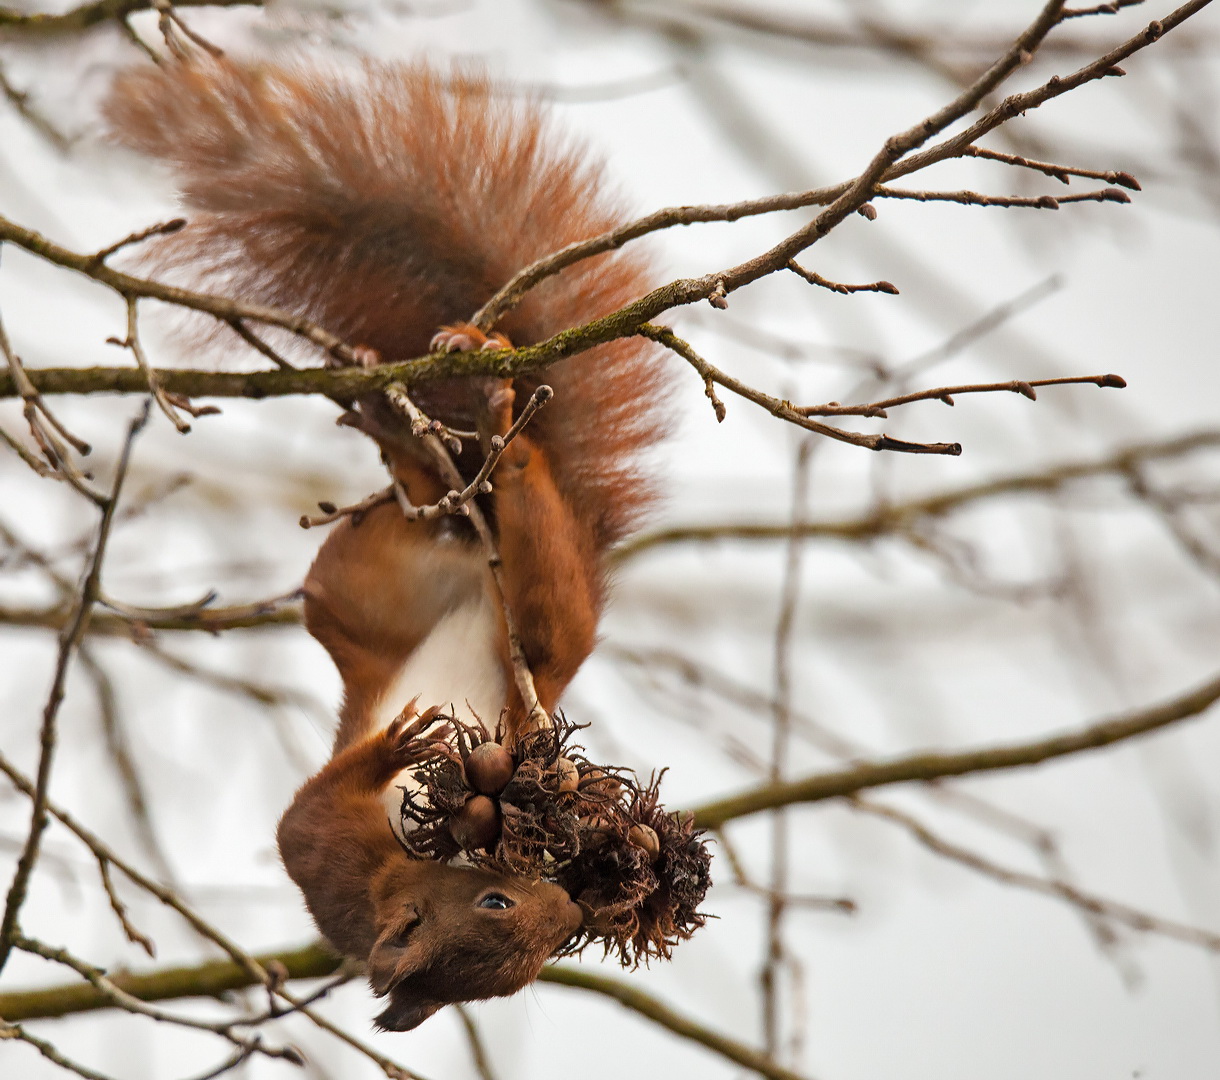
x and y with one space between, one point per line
541 809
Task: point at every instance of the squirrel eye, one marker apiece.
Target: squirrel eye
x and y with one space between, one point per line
496 902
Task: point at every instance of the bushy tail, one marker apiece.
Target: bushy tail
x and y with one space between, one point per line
386 201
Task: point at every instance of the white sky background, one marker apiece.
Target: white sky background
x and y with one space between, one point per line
940 973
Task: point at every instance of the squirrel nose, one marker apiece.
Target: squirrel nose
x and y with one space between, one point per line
574 916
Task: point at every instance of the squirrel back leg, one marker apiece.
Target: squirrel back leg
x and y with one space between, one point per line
551 570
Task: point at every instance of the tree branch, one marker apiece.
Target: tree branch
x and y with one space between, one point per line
210 979
69 638
934 765
894 517
87 16
659 1013
315 961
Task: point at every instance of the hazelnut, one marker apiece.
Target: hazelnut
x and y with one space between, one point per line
569 777
489 768
645 838
477 824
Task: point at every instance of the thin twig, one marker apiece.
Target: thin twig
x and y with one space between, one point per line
34 462
45 427
974 198
164 228
535 715
47 1050
1062 173
454 502
129 1003
1085 901
69 638
843 199
136 937
1112 8
103 853
946 394
236 1058
211 979
838 287
474 1039
132 342
96 13
896 518
784 410
331 513
658 1012
131 287
20 100
123 757
776 956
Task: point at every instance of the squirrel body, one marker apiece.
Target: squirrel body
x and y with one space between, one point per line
384 203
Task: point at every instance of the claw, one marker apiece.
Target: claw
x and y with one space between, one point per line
463 337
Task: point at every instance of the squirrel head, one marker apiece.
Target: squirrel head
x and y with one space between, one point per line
448 934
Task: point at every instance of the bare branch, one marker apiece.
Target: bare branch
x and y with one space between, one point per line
47 1050
105 854
130 287
69 638
659 1013
934 765
132 342
87 16
118 997
974 198
210 979
838 287
1103 67
474 1038
278 611
164 228
536 715
784 410
897 517
1063 173
1087 902
947 393
455 501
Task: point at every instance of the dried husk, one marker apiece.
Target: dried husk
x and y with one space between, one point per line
578 835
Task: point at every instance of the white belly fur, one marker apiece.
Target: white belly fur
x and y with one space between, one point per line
456 667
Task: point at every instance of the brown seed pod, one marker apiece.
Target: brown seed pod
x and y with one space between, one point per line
477 824
645 838
566 771
489 768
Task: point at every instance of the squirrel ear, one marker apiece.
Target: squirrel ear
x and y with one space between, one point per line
405 1011
399 952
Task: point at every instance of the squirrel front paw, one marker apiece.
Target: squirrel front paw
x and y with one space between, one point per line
403 742
466 337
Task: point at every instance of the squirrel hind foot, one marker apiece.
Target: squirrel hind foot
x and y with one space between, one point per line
466 337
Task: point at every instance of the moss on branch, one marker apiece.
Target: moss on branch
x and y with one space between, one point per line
210 979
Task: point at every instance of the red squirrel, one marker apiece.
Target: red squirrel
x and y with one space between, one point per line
384 203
